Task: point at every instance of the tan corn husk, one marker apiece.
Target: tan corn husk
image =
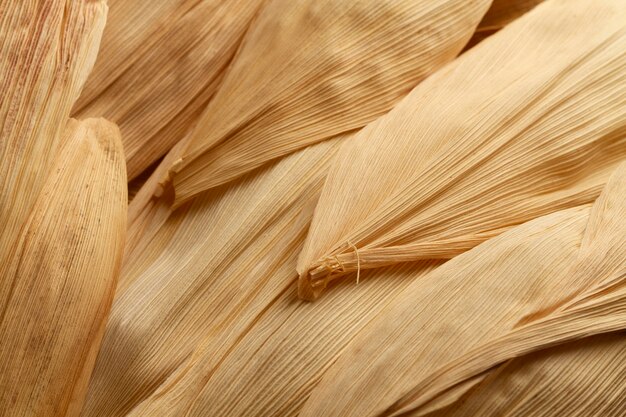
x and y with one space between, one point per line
152 205
274 365
579 379
62 276
530 121
500 14
160 63
557 278
199 277
47 49
309 70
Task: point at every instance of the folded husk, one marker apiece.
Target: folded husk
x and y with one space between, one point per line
555 279
275 364
500 14
310 70
62 276
160 63
48 48
204 277
535 121
579 379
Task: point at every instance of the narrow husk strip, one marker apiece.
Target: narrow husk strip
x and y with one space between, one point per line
214 267
310 70
48 48
539 126
579 379
160 63
555 279
62 276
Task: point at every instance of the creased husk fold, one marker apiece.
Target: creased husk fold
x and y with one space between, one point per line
556 279
160 63
310 70
530 121
196 283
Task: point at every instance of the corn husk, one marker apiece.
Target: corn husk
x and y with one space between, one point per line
310 70
197 279
555 279
583 378
152 205
274 365
62 276
539 127
48 48
160 63
500 14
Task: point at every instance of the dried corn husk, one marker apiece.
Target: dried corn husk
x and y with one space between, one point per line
279 360
539 126
558 278
583 378
152 205
47 49
160 63
212 269
62 276
309 70
500 14
271 369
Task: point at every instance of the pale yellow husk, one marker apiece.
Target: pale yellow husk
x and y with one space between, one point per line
203 278
312 69
274 365
530 121
61 277
578 379
160 63
500 14
555 279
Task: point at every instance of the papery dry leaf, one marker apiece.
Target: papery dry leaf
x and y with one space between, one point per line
279 359
160 63
309 70
500 14
226 256
47 49
503 12
546 282
152 205
62 276
584 378
539 126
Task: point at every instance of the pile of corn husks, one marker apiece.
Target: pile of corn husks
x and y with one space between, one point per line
312 208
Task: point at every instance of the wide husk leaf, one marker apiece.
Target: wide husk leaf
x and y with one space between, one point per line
555 279
278 360
48 48
160 63
273 367
530 121
310 70
578 379
204 276
62 276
